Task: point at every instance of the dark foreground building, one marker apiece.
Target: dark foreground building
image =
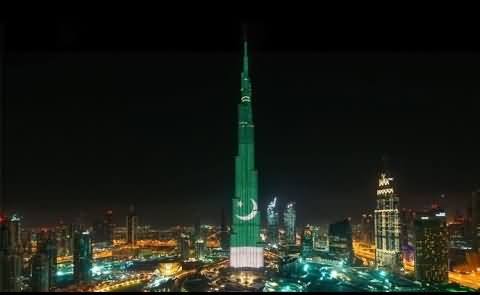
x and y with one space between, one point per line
82 257
340 240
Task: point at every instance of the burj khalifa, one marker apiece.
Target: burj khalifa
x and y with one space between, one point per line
246 247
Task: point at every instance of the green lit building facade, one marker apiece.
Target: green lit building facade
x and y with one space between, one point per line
246 247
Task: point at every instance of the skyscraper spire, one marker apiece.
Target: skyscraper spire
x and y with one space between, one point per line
245 51
246 86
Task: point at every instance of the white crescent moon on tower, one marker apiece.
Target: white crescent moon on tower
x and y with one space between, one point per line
252 214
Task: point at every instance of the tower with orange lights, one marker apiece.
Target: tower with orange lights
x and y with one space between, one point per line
387 222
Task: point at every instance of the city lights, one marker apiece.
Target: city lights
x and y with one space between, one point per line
245 231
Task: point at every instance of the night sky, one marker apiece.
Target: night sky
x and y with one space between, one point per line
102 115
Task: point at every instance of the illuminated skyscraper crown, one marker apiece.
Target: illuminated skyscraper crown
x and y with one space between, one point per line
246 86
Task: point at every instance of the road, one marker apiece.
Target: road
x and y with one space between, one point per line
96 255
471 280
134 280
365 252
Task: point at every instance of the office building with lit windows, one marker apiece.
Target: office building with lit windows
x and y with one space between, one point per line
387 223
320 239
184 246
307 242
457 233
431 247
272 222
289 220
200 249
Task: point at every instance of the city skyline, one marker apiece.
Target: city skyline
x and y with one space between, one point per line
144 143
84 134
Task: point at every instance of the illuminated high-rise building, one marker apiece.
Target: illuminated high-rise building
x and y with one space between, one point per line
387 223
273 222
320 239
307 242
431 247
63 239
289 219
457 232
132 224
15 245
200 249
246 247
14 231
82 257
184 246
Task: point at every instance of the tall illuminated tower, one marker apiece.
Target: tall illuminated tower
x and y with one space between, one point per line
387 223
431 247
246 248
272 220
289 218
